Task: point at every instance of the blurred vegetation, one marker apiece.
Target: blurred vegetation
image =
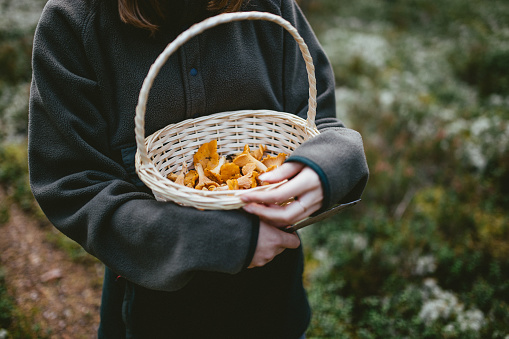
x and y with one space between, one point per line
426 253
13 324
17 23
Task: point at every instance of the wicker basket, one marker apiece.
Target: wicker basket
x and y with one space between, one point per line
164 151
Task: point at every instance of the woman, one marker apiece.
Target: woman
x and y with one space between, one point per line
173 271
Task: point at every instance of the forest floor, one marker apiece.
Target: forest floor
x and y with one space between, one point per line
58 296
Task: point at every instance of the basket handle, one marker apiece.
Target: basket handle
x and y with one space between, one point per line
199 28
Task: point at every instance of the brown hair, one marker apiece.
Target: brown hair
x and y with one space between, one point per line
147 14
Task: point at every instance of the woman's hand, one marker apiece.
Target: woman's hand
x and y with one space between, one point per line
271 242
303 185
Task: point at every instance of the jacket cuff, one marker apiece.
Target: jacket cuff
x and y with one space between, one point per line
337 156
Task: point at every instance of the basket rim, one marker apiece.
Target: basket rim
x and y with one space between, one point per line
237 115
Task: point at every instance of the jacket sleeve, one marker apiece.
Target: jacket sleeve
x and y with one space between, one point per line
87 195
337 154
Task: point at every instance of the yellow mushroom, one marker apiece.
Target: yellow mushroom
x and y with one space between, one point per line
232 184
223 187
207 155
229 171
258 154
272 162
248 168
254 179
203 181
172 176
190 178
245 157
215 173
248 180
181 176
244 181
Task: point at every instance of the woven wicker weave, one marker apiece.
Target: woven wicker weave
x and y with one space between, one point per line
164 151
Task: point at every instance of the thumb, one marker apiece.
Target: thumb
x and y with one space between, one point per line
285 171
290 240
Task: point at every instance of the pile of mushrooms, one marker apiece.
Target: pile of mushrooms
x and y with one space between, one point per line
217 173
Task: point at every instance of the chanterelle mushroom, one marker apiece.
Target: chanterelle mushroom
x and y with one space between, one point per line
245 157
232 184
181 175
207 155
190 178
272 162
229 171
245 181
203 181
172 176
258 154
248 180
215 173
223 187
248 168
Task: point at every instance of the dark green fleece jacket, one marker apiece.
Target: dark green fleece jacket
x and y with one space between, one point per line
88 68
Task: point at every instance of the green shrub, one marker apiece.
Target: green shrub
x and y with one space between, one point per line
15 57
426 85
6 303
14 175
13 112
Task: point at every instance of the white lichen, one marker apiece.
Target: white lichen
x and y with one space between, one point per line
444 305
425 265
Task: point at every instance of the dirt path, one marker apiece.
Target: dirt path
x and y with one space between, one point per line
58 295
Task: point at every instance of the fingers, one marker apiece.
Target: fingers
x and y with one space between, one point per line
306 180
288 214
271 242
305 187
